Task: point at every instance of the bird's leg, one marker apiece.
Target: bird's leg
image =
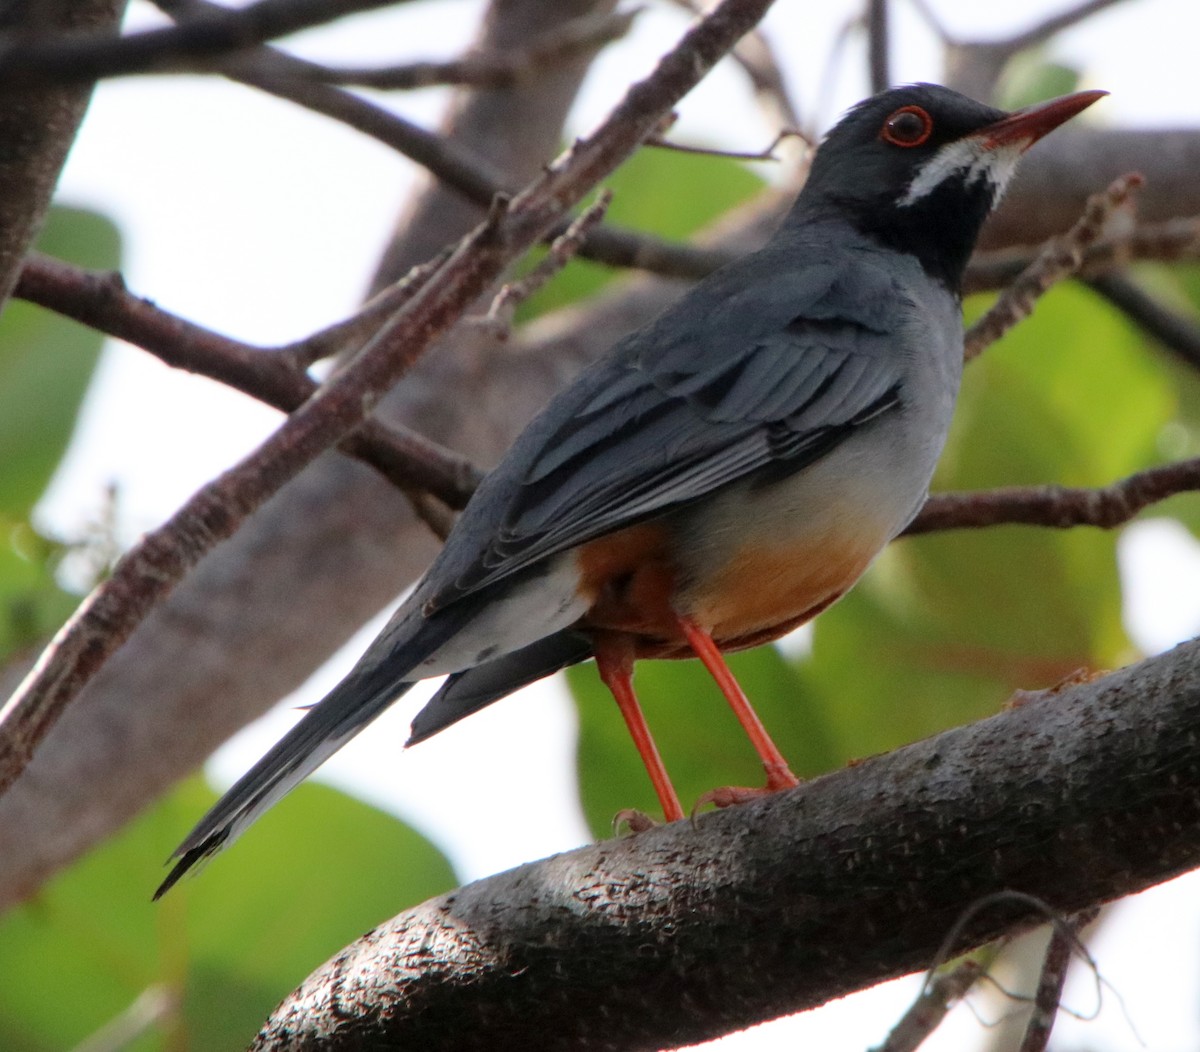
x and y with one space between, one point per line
779 775
614 661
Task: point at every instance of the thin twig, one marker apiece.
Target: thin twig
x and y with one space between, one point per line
562 250
1058 507
351 333
878 46
490 69
765 154
217 32
1026 38
975 66
1059 258
1172 241
152 568
1064 939
1055 24
933 1004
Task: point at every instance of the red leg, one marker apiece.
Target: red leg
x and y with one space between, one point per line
779 775
614 661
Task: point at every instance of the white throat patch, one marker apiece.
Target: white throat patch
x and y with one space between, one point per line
971 160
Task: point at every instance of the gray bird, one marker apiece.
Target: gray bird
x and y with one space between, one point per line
721 475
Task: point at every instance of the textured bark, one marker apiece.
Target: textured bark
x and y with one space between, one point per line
247 627
37 127
687 932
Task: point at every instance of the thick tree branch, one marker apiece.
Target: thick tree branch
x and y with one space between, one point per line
219 31
1053 184
685 932
148 572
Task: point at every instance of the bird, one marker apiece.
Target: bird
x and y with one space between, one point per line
721 475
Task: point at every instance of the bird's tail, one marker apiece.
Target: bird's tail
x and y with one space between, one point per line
469 691
324 729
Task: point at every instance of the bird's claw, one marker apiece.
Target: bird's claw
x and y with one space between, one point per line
633 820
778 778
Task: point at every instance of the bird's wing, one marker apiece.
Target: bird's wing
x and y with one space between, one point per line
678 412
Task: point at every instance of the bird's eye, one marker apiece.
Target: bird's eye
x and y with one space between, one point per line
908 126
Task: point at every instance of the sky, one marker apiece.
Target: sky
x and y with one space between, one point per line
239 217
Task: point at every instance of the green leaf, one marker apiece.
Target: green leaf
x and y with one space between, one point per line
662 192
316 872
46 363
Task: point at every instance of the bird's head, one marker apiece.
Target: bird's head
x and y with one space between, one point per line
919 168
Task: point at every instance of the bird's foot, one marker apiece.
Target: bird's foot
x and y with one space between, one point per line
633 820
779 777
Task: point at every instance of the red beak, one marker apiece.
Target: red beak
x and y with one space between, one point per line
1030 124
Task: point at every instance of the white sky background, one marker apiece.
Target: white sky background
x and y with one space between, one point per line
252 217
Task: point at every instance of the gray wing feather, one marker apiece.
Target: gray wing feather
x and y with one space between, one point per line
719 388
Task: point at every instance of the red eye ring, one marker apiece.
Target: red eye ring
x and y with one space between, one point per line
901 130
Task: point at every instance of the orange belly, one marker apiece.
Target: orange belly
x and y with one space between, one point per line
757 593
764 591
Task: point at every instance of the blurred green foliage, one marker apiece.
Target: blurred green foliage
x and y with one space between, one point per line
46 363
320 869
222 951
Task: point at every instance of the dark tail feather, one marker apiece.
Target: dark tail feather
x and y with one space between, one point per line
325 728
469 691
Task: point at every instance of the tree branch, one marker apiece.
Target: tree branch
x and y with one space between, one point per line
1064 941
691 930
1057 507
1058 259
219 31
941 993
1177 240
878 56
491 69
148 572
101 301
974 67
1177 334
